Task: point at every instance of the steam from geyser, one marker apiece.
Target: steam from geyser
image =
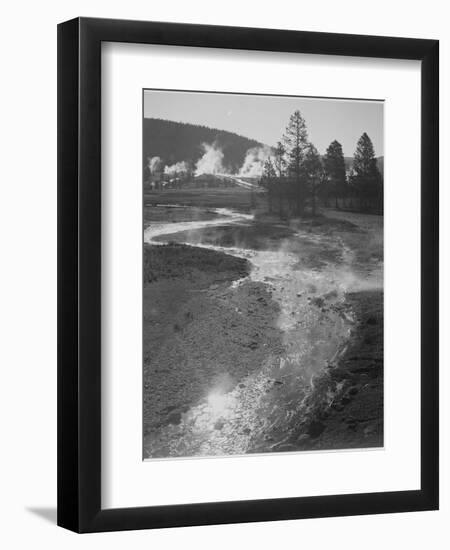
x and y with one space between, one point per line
211 161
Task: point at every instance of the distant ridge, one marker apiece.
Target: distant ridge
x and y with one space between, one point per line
178 141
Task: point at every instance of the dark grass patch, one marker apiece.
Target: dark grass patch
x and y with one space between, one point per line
169 214
234 197
318 223
179 260
323 224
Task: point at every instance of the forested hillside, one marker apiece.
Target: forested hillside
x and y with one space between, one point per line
177 142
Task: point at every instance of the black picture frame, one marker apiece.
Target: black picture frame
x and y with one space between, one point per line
79 274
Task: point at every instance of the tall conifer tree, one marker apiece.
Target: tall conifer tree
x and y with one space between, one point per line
295 141
366 176
335 170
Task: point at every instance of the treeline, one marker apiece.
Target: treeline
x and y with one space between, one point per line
298 180
175 142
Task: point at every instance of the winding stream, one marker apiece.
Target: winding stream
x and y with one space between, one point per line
257 415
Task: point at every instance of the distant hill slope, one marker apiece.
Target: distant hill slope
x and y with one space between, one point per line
176 142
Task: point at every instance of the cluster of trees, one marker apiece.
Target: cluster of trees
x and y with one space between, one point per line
297 178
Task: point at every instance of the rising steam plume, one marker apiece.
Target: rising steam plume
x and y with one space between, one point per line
211 162
154 164
177 168
255 158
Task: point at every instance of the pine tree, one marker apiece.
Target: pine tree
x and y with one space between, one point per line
280 159
268 170
352 189
267 178
295 141
367 178
335 170
312 172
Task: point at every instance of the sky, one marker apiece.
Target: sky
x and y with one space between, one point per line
264 118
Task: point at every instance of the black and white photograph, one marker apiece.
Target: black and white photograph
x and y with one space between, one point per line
226 259
262 274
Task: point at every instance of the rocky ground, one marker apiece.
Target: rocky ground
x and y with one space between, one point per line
345 407
198 332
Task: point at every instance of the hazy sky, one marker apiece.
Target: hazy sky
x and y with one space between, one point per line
264 118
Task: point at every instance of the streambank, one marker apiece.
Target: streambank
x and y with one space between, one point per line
200 336
345 408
